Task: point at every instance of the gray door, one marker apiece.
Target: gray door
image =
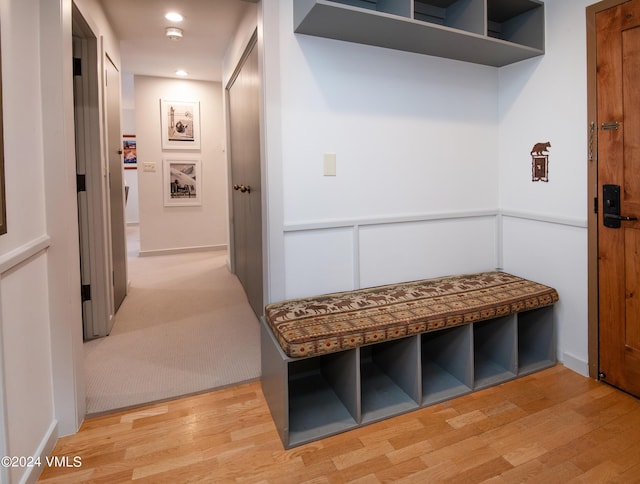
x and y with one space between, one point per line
116 185
244 129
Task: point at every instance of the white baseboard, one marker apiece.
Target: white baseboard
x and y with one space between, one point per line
576 364
44 450
181 250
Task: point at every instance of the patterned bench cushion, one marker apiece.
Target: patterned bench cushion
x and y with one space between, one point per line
335 322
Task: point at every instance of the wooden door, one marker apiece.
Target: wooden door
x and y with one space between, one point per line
116 184
244 131
618 124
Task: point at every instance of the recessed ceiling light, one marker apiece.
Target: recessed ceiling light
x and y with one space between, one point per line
174 17
182 73
174 33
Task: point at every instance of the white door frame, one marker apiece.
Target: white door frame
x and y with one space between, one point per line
93 204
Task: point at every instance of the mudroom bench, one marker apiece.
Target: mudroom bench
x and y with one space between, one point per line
339 361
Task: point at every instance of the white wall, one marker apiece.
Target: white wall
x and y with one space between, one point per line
545 99
26 393
416 140
166 229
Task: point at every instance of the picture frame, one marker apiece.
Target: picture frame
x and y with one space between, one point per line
182 182
180 125
129 152
3 198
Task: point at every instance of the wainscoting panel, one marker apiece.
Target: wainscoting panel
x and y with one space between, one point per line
423 249
319 261
554 252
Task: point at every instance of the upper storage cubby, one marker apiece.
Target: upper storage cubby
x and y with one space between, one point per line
517 21
488 32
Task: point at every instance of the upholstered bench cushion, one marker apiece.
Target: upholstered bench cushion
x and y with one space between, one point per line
335 322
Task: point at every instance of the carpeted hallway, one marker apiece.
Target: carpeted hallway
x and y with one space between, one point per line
184 327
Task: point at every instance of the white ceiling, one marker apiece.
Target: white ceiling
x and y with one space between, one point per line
208 27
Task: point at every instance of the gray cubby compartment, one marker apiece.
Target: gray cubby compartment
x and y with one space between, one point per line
319 396
323 396
489 32
494 351
390 378
447 364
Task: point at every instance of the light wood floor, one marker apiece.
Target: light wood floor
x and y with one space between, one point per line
552 426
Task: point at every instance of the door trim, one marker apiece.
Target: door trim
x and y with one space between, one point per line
592 185
88 137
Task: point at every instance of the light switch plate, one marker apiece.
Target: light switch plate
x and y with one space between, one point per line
329 164
149 166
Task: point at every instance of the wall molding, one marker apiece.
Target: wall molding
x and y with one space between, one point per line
21 254
181 250
430 217
536 217
44 450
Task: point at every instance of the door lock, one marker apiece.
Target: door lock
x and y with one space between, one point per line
611 207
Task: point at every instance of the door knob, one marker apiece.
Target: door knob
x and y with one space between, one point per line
242 188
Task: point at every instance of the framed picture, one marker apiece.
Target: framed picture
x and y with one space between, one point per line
130 155
182 183
3 199
180 124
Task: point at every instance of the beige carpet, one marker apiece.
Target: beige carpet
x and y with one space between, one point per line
185 327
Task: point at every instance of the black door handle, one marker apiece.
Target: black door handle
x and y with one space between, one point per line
613 216
611 207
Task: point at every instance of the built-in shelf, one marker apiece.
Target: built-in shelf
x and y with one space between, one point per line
315 397
489 32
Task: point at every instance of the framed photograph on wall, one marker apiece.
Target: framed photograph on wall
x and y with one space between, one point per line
3 198
180 124
130 154
182 183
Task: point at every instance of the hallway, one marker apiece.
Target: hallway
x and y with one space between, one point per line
185 327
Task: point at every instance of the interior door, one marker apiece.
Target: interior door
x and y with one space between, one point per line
244 132
618 123
116 184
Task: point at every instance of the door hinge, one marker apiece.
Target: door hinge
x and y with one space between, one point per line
77 66
85 291
81 183
595 204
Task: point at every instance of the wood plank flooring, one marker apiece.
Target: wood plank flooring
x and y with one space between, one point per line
552 426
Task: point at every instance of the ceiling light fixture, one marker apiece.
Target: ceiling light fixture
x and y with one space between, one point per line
174 17
181 73
174 33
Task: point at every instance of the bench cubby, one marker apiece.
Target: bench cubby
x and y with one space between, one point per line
318 396
389 378
447 364
494 350
322 395
536 340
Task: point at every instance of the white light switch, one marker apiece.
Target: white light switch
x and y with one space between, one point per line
149 166
329 164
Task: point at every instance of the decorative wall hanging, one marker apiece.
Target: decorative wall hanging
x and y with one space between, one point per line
180 124
130 154
182 183
540 162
